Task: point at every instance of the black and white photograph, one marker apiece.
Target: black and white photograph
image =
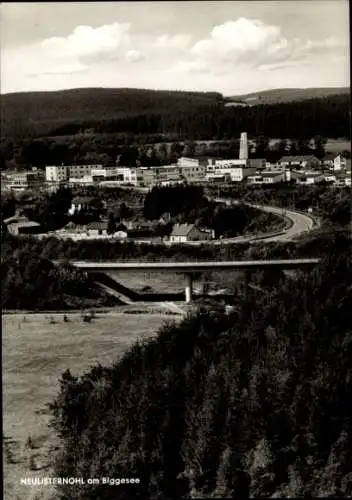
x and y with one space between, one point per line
176 259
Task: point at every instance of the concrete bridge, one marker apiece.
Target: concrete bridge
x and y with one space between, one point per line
190 268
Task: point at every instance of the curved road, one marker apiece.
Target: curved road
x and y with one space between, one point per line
300 223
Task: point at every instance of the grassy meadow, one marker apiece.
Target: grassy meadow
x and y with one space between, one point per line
37 349
146 282
337 145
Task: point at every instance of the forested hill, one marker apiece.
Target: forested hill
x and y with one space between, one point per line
45 111
179 115
276 96
254 404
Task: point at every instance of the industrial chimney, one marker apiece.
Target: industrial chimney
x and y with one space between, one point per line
243 146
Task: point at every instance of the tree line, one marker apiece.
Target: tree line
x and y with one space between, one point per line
132 137
111 150
189 205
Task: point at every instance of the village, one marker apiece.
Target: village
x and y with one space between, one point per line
292 170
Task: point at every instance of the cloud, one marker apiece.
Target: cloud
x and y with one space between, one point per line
241 54
134 56
237 38
179 41
88 43
68 70
189 67
249 43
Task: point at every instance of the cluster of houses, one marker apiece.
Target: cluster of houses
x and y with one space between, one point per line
302 169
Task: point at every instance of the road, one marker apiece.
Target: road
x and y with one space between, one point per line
300 223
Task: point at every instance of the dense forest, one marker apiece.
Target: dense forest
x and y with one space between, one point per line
255 403
188 204
189 115
145 151
41 113
32 282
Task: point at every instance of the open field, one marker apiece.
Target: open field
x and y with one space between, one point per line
337 145
144 282
35 354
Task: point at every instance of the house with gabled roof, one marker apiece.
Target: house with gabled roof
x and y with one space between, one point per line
299 161
335 161
182 233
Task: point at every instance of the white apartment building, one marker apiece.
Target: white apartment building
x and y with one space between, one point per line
105 174
62 173
235 170
153 176
192 173
77 171
127 175
187 162
56 173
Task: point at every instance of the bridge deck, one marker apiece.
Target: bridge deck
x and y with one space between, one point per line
195 266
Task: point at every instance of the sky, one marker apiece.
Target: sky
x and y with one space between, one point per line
232 47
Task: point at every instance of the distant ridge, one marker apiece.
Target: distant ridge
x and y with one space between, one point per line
179 113
276 96
41 111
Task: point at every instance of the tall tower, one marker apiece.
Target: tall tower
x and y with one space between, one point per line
243 146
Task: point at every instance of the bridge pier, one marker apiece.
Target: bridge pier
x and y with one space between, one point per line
189 288
247 279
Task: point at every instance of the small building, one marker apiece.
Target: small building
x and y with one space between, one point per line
79 203
237 170
334 161
331 179
97 228
182 233
299 161
22 225
258 163
267 178
273 177
311 178
343 179
255 179
27 180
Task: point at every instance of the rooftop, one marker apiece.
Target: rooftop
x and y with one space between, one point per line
271 174
298 158
181 229
26 223
100 226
